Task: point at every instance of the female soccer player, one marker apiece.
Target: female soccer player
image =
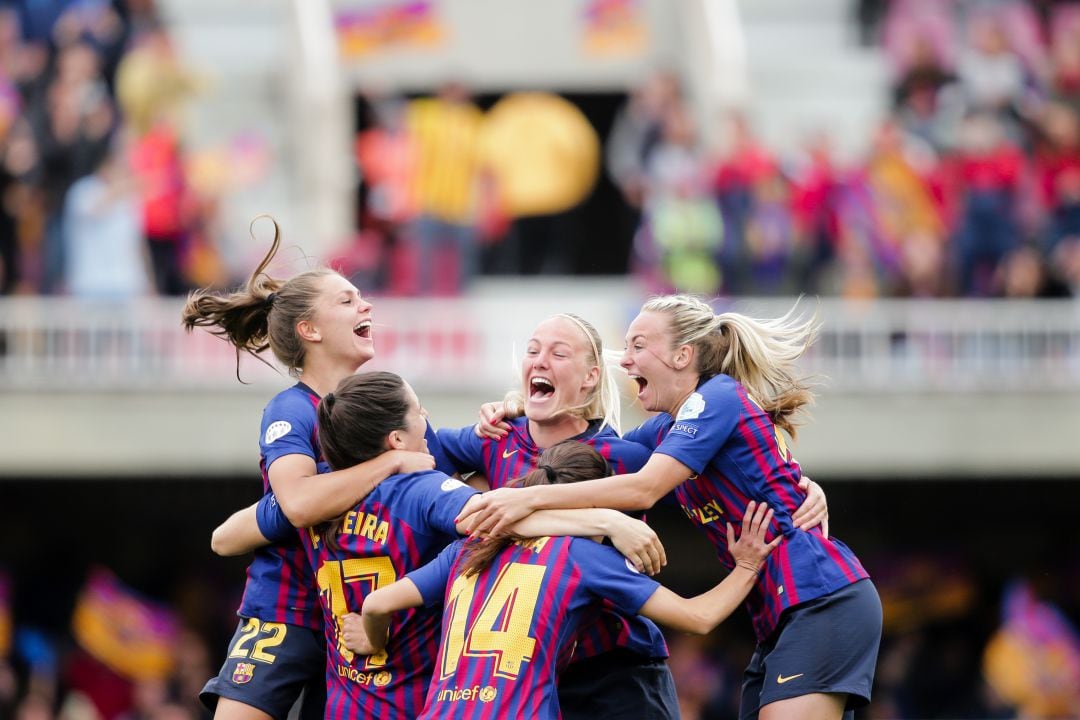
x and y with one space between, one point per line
513 606
319 327
725 386
401 525
619 667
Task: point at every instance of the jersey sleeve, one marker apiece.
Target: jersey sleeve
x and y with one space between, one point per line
273 524
431 579
703 424
627 456
288 428
434 446
606 574
433 501
649 433
462 450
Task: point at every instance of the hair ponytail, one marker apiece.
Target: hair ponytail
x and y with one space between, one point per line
759 354
262 314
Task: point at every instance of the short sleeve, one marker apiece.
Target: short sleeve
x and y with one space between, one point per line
431 579
626 456
606 574
703 424
433 501
273 524
462 450
288 427
649 433
434 446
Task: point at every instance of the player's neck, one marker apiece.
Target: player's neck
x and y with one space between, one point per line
323 377
555 430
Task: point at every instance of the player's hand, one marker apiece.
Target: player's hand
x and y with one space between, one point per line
492 514
752 549
638 543
355 637
492 425
408 461
814 510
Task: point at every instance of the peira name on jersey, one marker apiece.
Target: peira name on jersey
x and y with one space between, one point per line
534 544
365 525
707 513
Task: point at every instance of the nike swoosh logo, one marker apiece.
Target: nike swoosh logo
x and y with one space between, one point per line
780 679
508 454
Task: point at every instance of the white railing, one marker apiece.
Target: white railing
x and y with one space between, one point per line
468 345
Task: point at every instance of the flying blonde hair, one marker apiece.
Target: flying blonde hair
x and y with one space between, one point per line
759 354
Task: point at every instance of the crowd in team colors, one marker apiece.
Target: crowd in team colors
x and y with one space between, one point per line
384 585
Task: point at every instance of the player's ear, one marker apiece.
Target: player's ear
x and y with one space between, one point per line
307 331
395 440
683 357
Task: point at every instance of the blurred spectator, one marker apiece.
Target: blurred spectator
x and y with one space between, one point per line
107 256
989 167
166 206
637 130
151 85
387 157
445 131
682 230
746 182
72 127
815 202
992 74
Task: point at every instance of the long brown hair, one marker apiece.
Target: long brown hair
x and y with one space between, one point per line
565 462
262 314
759 354
354 421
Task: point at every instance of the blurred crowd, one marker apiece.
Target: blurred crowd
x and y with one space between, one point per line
94 196
970 186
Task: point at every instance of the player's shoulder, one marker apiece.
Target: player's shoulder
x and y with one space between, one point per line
424 482
295 400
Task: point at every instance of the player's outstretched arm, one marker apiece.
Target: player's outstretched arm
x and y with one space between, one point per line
308 498
497 510
366 634
239 534
633 538
701 614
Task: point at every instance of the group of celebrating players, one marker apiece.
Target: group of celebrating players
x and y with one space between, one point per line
384 586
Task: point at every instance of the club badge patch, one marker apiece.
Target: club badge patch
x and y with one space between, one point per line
243 673
276 430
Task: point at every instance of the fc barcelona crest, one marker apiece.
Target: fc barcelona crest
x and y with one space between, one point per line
243 673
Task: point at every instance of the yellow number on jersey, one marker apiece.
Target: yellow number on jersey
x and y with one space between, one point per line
332 577
501 628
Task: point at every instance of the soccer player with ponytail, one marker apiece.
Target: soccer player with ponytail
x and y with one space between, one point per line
724 387
318 326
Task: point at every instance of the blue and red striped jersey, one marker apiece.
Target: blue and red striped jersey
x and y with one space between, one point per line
403 524
516 454
507 632
725 437
280 586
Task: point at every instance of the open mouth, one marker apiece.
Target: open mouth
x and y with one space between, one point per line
363 330
540 388
641 382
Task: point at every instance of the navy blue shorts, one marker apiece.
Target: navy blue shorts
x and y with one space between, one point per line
826 645
268 666
618 684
